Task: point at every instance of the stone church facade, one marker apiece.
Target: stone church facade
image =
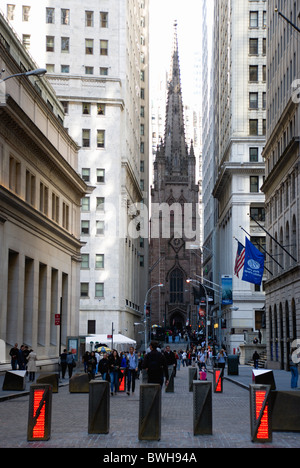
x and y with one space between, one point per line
175 222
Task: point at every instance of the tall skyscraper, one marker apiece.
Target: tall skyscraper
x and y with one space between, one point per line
239 111
96 54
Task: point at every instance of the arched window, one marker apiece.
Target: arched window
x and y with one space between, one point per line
176 287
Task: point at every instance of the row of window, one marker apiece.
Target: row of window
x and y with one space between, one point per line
85 293
256 127
64 16
254 45
88 70
89 45
85 261
282 198
254 100
48 203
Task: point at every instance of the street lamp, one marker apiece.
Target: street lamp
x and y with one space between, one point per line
160 285
36 72
190 280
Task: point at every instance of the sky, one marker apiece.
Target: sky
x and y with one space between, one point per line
163 14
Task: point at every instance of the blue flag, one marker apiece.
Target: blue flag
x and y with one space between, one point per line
254 264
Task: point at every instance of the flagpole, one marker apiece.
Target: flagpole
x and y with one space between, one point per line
273 238
264 251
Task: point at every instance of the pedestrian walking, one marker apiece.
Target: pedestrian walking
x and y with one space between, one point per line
114 366
184 359
221 356
132 368
31 365
170 359
294 369
103 367
14 352
255 358
63 363
70 363
156 366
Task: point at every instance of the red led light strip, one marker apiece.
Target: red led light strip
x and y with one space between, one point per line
218 382
39 427
263 429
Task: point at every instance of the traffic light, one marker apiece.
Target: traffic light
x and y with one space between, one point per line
148 310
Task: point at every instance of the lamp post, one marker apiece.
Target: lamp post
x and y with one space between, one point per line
160 285
36 72
190 280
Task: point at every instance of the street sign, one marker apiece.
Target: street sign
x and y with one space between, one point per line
57 319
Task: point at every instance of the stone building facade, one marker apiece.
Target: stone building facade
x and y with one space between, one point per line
175 221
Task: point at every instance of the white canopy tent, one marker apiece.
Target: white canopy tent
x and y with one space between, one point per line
118 342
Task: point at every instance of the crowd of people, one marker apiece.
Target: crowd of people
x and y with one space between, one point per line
113 366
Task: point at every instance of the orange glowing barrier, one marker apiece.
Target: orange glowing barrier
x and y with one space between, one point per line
218 386
261 427
39 417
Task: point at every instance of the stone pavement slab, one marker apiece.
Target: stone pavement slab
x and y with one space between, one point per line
69 429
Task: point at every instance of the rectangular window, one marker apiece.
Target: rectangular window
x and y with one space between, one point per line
89 70
30 188
99 290
100 109
100 138
65 44
100 176
253 100
253 73
103 71
253 46
103 47
253 127
14 175
103 19
49 43
65 68
25 13
85 261
44 199
11 12
99 261
253 154
85 174
100 228
86 108
86 138
89 19
85 228
84 289
65 16
65 213
253 19
85 204
26 41
254 184
89 46
100 203
50 15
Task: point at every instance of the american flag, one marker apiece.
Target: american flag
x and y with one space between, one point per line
239 259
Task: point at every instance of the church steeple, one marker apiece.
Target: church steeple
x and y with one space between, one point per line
174 148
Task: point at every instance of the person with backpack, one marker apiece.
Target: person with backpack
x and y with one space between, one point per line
156 366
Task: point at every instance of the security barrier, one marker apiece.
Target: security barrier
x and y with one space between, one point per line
39 416
218 381
170 386
150 412
99 407
260 412
193 375
202 408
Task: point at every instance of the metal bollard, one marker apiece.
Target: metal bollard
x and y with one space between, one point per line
218 381
99 407
260 412
202 407
150 412
39 416
170 387
193 375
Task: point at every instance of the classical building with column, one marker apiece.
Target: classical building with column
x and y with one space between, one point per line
175 221
282 182
40 197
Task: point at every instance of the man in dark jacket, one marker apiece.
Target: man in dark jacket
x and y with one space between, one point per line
156 365
170 359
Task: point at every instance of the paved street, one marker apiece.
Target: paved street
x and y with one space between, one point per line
69 429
